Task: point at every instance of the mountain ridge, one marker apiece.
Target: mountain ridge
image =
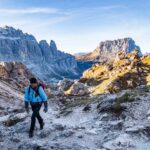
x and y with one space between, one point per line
43 59
108 49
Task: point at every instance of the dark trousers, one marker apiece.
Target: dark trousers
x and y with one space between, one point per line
36 114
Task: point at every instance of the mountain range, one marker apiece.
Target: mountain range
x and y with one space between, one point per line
50 64
43 59
111 98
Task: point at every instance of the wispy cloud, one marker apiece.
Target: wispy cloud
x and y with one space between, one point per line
35 10
94 12
111 7
78 27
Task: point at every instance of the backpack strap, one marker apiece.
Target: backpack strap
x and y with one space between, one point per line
29 89
37 90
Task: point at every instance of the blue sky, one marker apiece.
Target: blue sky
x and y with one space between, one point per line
79 25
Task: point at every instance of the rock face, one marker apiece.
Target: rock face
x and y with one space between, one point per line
108 49
65 84
43 59
15 74
77 89
126 71
10 98
14 70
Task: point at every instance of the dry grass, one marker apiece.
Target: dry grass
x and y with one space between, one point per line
146 60
148 79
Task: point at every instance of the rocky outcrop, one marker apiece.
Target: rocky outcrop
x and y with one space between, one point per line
14 119
126 71
43 59
77 89
15 74
14 70
64 85
107 50
11 99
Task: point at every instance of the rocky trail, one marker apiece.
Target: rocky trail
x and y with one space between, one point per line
104 122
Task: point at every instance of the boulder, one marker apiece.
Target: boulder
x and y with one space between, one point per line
44 133
64 85
115 105
137 129
33 145
14 119
78 89
123 141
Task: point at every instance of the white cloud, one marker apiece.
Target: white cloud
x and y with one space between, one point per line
111 7
35 10
81 38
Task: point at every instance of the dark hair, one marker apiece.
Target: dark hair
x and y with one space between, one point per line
33 80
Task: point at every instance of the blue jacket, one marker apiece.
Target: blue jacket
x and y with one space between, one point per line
30 97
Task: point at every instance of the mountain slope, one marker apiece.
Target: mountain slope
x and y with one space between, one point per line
43 59
126 71
111 121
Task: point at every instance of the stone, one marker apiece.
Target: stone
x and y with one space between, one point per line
44 133
32 146
87 108
15 73
145 129
123 141
80 136
115 105
59 127
66 133
116 125
64 85
78 89
14 119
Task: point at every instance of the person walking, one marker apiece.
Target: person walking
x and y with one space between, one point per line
35 96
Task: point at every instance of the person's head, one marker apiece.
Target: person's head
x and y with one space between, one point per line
33 82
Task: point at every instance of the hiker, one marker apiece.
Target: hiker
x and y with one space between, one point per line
35 95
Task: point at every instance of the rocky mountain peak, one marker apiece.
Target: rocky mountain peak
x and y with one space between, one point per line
53 45
107 50
12 34
44 44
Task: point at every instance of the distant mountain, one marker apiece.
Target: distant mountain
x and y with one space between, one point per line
80 53
108 49
43 59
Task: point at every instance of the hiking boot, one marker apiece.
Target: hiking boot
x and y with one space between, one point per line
42 126
30 134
